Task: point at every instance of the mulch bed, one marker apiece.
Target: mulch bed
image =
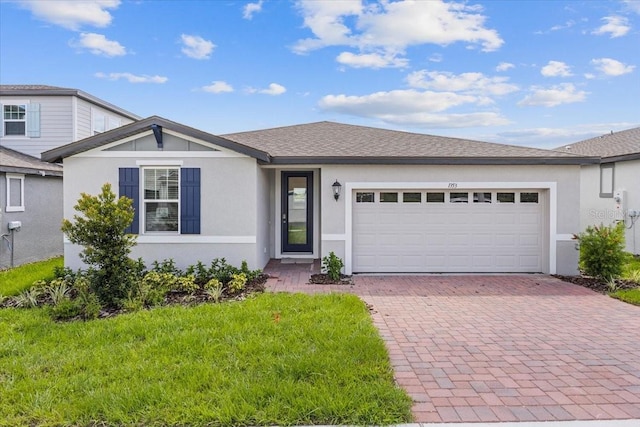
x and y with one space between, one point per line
323 279
597 285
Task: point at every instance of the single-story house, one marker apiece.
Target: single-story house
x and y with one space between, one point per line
610 190
30 209
382 200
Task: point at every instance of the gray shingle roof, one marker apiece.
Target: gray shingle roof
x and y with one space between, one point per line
324 140
45 90
15 162
615 144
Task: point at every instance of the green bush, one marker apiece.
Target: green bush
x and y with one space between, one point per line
602 252
100 229
237 282
332 266
186 284
66 309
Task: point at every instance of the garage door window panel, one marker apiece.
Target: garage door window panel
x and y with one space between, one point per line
412 197
388 197
458 197
506 197
368 197
528 197
435 197
481 197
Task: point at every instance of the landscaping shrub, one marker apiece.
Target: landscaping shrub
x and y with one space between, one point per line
602 252
100 229
332 266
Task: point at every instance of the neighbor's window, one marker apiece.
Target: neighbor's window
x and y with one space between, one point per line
161 199
365 197
606 180
506 197
103 122
15 193
388 197
458 197
15 119
411 197
528 197
435 197
481 197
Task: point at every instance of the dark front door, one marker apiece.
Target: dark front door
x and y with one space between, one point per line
297 211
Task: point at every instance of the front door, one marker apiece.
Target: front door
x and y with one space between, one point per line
297 212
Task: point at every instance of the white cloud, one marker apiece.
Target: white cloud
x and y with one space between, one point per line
371 60
218 87
98 44
391 27
557 137
250 9
504 66
412 107
436 57
611 67
616 26
556 69
589 76
72 14
196 47
565 93
132 78
274 89
633 5
470 83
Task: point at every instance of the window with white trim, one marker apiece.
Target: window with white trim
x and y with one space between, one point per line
15 193
102 122
607 171
15 119
161 199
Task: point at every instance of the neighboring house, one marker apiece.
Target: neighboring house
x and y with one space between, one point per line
407 202
37 118
30 209
610 190
33 119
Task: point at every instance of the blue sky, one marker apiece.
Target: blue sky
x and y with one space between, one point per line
536 73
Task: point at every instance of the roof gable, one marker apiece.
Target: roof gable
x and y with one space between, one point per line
141 130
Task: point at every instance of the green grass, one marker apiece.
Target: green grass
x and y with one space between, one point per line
276 359
17 279
631 296
631 269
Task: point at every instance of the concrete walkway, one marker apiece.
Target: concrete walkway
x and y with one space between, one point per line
499 348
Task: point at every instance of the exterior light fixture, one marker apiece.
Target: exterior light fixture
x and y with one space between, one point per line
337 187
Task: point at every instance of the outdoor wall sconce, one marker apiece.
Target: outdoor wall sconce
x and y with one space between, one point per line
337 187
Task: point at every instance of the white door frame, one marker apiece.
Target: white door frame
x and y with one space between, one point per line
551 187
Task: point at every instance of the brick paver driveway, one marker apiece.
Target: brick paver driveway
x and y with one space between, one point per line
502 348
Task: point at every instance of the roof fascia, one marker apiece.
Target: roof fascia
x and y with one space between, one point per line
437 160
624 157
72 92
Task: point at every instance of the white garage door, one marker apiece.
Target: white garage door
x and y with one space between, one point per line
448 231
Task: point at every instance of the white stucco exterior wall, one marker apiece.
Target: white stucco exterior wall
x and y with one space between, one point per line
596 210
228 208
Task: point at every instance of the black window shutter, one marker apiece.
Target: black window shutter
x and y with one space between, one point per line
129 186
190 201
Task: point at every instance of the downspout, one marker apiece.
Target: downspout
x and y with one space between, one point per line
9 244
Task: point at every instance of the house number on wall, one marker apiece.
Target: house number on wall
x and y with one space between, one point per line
453 185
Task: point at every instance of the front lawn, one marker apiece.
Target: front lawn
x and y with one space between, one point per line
17 279
275 359
632 296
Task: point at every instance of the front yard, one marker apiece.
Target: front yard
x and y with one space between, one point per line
273 359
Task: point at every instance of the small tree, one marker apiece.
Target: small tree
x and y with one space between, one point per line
101 230
602 252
